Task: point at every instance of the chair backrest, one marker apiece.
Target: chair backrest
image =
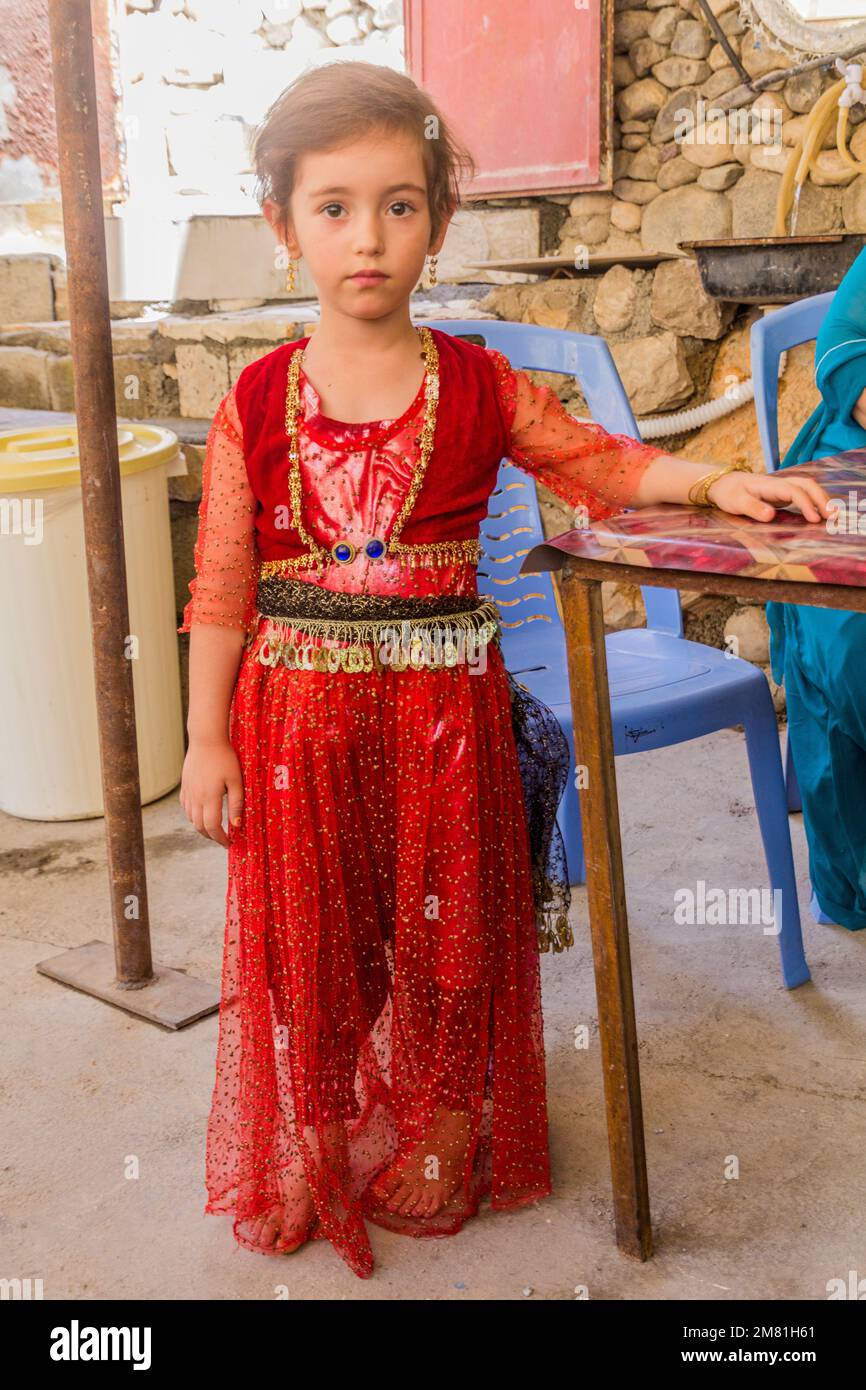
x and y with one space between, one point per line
588 359
771 336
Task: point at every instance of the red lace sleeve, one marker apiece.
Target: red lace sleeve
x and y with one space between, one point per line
226 571
578 460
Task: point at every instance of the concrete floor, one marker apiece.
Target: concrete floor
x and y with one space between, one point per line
731 1064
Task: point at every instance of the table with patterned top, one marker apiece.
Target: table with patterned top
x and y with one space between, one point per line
704 550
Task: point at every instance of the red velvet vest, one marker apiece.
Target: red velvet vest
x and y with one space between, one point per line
470 440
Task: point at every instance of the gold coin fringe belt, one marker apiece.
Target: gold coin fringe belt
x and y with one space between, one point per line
378 630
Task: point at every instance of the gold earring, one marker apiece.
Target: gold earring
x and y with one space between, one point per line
290 274
432 270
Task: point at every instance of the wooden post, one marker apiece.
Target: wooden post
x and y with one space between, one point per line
593 741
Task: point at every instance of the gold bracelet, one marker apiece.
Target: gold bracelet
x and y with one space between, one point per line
697 493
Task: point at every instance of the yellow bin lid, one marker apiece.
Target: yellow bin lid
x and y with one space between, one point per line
43 458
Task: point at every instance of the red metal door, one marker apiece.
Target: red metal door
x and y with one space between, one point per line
521 84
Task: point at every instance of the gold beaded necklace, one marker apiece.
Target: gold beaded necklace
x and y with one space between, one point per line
342 551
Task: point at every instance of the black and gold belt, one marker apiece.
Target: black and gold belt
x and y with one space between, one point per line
377 630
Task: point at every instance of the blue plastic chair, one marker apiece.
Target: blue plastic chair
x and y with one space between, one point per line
771 336
664 689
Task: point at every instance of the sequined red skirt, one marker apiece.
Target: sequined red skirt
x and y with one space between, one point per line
381 968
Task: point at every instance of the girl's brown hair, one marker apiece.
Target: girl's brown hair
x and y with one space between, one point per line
340 101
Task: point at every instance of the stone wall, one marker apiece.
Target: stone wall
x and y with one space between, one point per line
211 68
671 187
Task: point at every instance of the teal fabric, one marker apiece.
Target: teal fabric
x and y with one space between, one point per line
820 653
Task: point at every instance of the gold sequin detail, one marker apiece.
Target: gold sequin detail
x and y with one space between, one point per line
435 553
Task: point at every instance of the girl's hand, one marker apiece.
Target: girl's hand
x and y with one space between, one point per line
759 494
859 409
210 770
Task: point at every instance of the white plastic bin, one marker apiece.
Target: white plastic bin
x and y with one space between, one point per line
49 744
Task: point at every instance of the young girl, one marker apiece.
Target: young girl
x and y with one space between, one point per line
380 1045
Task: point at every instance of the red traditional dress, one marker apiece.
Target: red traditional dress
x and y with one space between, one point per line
381 959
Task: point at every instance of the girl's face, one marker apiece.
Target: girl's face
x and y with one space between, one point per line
361 207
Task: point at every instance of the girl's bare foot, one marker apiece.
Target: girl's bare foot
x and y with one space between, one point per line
422 1181
297 1209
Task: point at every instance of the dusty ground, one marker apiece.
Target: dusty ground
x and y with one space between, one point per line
731 1062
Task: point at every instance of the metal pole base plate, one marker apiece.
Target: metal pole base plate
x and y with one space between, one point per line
171 999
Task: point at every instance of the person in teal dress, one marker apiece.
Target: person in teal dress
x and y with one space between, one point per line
820 653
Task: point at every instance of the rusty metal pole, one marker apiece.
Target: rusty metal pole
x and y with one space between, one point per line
90 325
